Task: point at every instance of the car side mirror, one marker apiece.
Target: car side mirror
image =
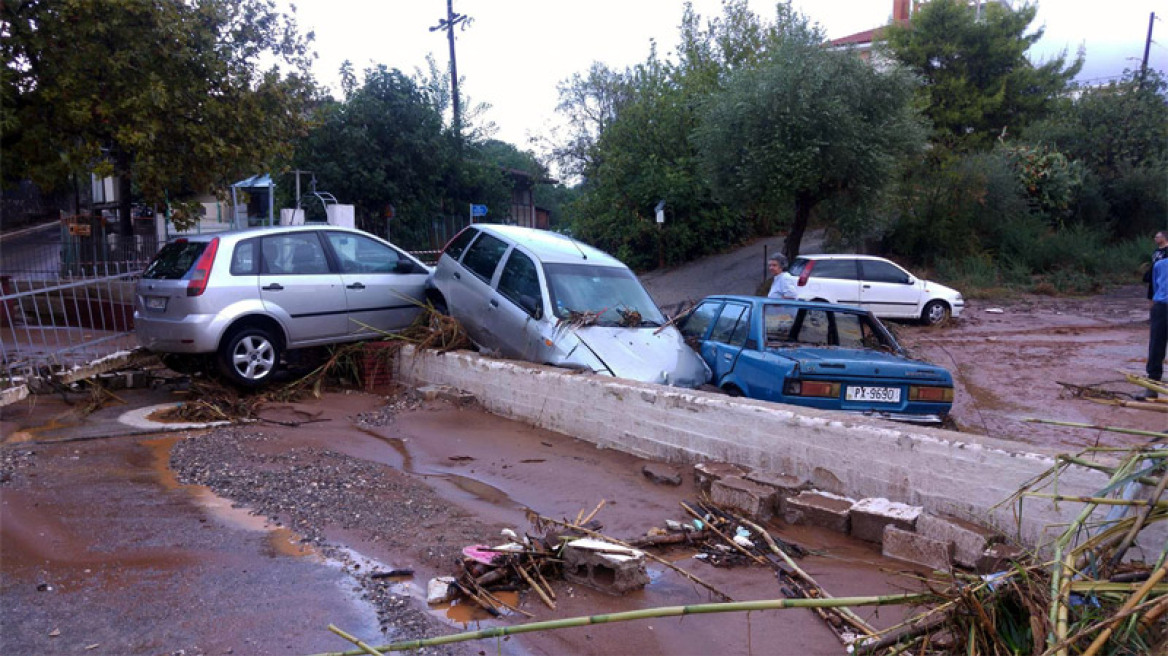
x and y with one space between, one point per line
405 266
531 305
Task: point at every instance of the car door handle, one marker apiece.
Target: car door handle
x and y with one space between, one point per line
355 285
726 356
458 275
274 287
494 303
866 286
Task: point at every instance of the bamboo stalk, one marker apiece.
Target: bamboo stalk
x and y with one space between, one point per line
1150 404
535 586
846 613
1110 429
1063 600
365 649
1131 602
593 513
1099 501
732 543
661 561
547 586
1141 519
1104 587
650 613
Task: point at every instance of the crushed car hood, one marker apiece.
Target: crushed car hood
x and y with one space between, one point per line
650 355
862 362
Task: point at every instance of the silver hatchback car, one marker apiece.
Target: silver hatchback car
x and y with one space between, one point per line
245 297
542 297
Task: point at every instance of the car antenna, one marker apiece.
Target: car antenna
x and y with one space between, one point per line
582 253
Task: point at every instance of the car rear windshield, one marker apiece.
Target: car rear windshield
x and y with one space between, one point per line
612 294
796 268
174 260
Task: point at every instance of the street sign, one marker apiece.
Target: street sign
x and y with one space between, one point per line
478 210
661 212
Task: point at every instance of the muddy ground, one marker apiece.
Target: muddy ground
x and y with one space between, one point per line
121 543
1026 357
126 545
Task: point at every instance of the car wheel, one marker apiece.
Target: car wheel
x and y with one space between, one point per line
249 357
732 390
438 302
935 312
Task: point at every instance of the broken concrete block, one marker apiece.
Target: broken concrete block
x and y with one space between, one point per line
998 557
661 474
752 499
446 393
440 590
705 473
823 509
916 548
969 540
870 516
604 566
784 485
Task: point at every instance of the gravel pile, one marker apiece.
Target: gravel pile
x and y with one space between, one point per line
313 491
13 458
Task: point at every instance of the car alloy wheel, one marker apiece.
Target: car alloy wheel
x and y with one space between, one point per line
934 313
249 357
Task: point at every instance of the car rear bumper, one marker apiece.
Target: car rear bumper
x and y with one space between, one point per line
195 333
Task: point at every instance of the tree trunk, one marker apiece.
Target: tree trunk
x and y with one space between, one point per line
122 170
803 205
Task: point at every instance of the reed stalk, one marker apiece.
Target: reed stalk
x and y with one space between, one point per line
649 613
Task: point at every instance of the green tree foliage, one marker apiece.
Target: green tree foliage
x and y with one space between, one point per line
802 126
1120 133
170 95
978 82
1049 180
386 145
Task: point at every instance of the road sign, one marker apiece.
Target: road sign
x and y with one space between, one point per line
661 212
478 210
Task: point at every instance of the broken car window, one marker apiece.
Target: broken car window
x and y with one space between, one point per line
606 291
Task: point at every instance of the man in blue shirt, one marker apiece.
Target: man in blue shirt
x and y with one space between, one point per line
1158 333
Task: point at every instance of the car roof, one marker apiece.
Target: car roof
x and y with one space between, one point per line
786 301
241 233
550 246
841 256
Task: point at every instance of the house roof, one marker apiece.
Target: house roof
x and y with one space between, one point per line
859 38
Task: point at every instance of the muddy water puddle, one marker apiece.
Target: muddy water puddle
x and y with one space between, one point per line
280 540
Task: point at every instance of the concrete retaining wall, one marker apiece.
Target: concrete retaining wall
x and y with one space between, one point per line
943 471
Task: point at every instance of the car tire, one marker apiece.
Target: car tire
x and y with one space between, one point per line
438 302
935 312
249 357
732 390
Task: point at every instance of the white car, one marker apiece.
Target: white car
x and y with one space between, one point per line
874 284
543 297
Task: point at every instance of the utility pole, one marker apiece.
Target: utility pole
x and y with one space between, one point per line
1147 46
448 24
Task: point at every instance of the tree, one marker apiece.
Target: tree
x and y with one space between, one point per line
386 145
978 81
804 126
167 95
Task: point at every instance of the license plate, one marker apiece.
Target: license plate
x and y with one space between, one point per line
874 394
156 303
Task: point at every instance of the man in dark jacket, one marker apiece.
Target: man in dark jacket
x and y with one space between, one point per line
1161 252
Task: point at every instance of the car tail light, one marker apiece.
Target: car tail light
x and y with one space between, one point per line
806 272
202 270
813 388
934 394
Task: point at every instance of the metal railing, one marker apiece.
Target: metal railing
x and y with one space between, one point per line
50 326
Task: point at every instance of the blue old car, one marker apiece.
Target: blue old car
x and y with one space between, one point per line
819 355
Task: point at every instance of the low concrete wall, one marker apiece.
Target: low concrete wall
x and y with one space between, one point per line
943 471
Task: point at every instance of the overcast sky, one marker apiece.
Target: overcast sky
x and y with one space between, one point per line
515 52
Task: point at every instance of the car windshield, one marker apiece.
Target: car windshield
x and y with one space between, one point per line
174 260
612 295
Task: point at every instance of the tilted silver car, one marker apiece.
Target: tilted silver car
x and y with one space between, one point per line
543 297
244 297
